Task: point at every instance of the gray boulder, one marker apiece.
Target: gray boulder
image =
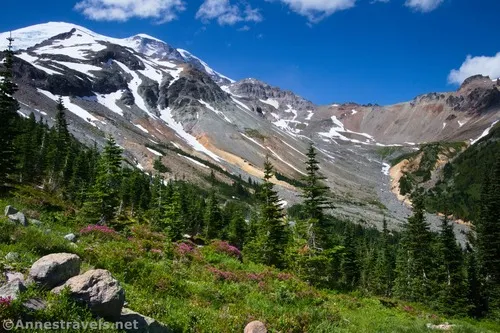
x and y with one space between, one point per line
54 269
255 327
12 289
99 291
19 218
12 276
35 304
70 237
9 210
136 322
35 222
12 257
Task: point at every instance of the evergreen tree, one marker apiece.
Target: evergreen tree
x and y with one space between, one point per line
8 116
414 266
488 238
237 228
477 302
384 265
350 265
452 287
213 218
174 224
272 223
315 202
27 150
103 199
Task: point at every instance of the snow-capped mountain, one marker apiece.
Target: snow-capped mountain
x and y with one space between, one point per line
84 40
157 100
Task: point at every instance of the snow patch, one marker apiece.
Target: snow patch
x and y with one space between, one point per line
194 161
34 61
141 128
253 140
282 160
211 108
310 114
157 153
240 103
189 56
274 103
485 133
73 108
385 168
109 101
166 115
82 68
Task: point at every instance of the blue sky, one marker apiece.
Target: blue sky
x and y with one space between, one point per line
328 51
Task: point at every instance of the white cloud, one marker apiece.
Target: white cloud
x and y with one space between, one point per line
316 10
123 10
226 13
489 66
423 6
244 28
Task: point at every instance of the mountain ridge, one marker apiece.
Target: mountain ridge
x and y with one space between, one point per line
140 91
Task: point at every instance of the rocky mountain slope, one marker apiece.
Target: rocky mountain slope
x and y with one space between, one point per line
157 100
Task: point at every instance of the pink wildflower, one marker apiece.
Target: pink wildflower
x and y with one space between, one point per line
97 228
222 275
5 301
284 276
225 247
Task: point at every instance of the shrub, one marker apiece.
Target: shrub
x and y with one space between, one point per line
99 231
222 275
226 248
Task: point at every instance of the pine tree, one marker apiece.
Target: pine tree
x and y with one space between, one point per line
8 117
414 266
213 218
384 266
315 202
475 298
174 224
272 222
488 238
350 265
27 150
452 297
103 199
237 228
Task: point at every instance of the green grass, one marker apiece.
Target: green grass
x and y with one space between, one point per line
205 290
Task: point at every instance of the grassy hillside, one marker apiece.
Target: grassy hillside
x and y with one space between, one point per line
207 289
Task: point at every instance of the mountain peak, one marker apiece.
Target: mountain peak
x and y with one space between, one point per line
156 48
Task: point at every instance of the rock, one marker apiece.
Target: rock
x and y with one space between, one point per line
35 222
99 291
12 289
54 269
136 322
35 304
19 218
12 276
9 210
255 327
440 327
12 256
70 237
